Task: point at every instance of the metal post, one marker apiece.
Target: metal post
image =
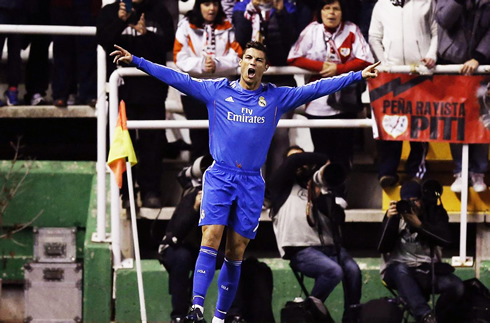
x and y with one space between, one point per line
101 143
115 208
464 205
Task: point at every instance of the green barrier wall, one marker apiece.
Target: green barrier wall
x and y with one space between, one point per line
61 190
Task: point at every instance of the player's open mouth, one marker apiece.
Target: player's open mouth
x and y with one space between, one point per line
251 72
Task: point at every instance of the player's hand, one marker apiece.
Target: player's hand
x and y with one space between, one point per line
121 55
209 65
469 67
428 62
392 209
141 25
370 71
121 13
329 69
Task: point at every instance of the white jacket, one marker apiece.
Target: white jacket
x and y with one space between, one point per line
190 46
402 36
343 46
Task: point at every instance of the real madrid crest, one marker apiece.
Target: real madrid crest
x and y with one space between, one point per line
262 101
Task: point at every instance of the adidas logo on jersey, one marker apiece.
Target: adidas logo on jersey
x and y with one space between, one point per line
229 99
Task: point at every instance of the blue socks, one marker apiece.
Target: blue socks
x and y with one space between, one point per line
228 281
203 274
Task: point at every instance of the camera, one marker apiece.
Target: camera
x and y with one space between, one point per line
191 176
403 207
330 176
197 169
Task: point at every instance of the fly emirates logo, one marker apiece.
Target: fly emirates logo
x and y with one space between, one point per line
245 117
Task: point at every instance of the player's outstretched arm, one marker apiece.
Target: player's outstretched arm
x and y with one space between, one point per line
198 89
121 55
370 71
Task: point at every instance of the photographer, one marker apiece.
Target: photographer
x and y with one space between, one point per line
312 242
413 232
180 246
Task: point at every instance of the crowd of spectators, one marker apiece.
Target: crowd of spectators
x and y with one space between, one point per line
326 37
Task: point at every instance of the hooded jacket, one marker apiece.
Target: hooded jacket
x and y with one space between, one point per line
464 30
190 44
403 35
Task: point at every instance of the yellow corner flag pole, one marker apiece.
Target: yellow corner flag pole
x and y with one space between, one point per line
121 158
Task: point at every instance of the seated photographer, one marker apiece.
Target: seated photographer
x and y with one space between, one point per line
313 242
413 232
179 247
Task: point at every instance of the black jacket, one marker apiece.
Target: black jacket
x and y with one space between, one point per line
280 31
153 46
434 230
183 225
283 179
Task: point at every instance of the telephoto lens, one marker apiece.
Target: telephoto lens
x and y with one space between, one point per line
330 176
403 207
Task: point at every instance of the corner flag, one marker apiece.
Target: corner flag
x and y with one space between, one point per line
121 147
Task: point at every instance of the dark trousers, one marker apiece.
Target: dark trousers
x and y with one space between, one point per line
196 110
149 146
390 153
335 143
179 262
415 287
280 140
12 17
322 264
75 57
38 68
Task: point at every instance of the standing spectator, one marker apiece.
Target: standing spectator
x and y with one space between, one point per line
228 6
69 50
312 244
147 30
12 13
273 23
38 67
204 45
402 33
331 46
464 38
410 240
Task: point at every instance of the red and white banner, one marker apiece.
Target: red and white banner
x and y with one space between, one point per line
445 108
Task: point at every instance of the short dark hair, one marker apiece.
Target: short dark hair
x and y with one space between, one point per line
195 15
323 3
258 46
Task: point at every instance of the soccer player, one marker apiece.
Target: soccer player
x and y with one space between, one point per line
243 115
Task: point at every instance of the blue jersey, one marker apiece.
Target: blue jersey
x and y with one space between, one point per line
242 122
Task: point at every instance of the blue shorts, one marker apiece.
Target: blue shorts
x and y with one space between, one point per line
232 197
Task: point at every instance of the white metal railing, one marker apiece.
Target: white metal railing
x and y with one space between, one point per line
114 82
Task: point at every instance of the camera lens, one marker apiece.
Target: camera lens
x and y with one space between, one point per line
403 207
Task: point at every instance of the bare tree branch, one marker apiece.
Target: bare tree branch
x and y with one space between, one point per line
25 225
